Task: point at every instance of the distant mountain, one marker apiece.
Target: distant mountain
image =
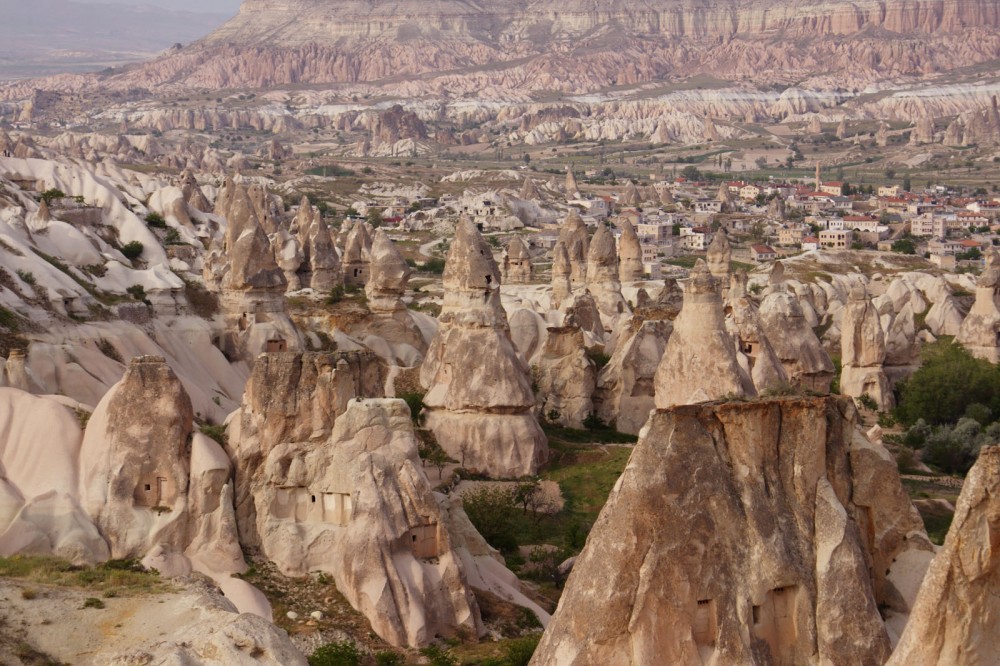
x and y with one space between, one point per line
53 36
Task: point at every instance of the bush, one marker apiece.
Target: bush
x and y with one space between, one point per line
48 195
336 295
156 221
335 654
27 277
93 602
904 246
387 658
415 401
434 266
949 381
493 510
438 657
133 250
137 291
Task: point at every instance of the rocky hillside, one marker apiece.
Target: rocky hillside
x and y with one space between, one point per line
585 46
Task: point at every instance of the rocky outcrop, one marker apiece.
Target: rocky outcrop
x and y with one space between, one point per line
575 240
292 397
626 384
754 351
955 618
719 257
562 271
630 266
862 351
980 332
479 399
699 363
388 276
602 276
358 506
566 378
517 268
784 324
357 255
781 547
320 256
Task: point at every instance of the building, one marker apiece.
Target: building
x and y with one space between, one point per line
810 243
695 239
943 246
888 190
836 239
749 192
929 225
791 235
835 188
708 206
762 253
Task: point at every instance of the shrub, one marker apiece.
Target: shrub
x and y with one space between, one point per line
335 654
137 291
27 277
415 401
387 658
173 237
156 221
48 195
949 381
434 266
133 250
493 510
336 295
93 602
107 348
438 657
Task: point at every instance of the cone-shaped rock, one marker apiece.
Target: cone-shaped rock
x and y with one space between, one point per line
699 363
629 254
357 254
574 237
862 351
517 267
479 398
389 275
980 332
719 257
602 275
743 533
562 270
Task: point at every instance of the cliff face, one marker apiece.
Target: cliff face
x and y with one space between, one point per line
569 47
761 532
537 22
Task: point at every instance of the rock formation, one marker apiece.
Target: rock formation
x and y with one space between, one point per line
625 385
602 276
320 258
955 617
806 362
630 266
517 267
781 547
566 378
719 257
574 238
388 276
529 190
571 190
630 196
479 399
862 351
980 332
755 353
358 506
699 363
923 131
562 280
357 254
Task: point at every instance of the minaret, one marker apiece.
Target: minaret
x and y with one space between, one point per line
817 177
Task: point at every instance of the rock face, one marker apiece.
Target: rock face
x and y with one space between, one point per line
479 398
357 255
562 270
629 254
319 254
602 276
980 332
755 352
776 552
358 506
566 377
719 257
699 363
625 385
784 323
955 618
862 351
574 238
139 491
517 267
388 276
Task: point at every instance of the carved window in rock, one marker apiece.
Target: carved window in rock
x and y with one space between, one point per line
423 541
274 346
155 490
705 628
774 622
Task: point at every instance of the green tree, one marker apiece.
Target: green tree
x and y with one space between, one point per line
133 250
949 380
691 172
904 246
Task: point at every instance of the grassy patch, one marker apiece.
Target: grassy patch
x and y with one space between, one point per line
117 577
